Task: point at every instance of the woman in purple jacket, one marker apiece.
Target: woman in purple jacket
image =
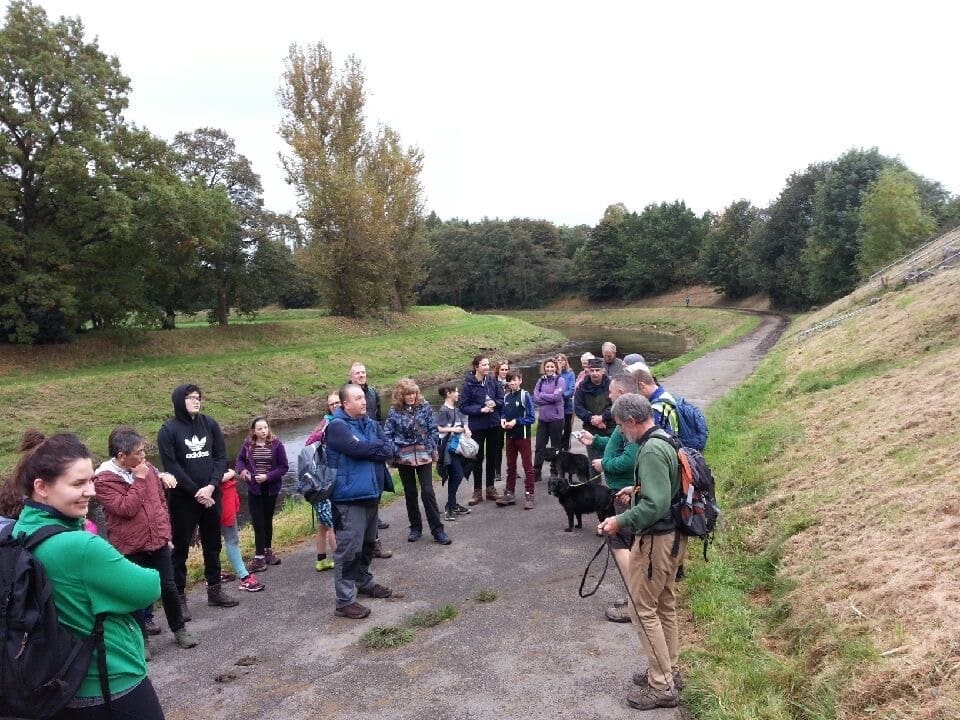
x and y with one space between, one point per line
262 463
548 398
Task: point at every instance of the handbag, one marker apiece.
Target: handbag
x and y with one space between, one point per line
412 455
468 448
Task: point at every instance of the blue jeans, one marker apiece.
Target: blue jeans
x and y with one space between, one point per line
231 538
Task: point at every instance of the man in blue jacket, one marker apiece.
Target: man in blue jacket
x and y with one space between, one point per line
358 448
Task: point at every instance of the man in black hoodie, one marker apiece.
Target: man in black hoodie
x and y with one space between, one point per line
192 448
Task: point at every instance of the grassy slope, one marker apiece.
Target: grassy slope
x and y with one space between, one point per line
833 591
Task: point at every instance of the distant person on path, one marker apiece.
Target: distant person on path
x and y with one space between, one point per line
517 422
451 424
358 448
88 576
612 364
481 400
591 403
663 403
686 301
325 537
193 450
230 530
548 398
131 492
262 463
569 388
657 553
412 429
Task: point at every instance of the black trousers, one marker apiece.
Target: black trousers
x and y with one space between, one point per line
186 515
262 508
409 476
141 703
490 441
567 430
551 430
160 561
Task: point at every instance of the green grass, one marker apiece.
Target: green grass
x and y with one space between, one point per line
429 618
820 379
485 596
382 637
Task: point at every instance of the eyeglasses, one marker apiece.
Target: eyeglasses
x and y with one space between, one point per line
194 396
336 404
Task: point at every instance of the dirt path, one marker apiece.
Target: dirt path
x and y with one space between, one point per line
538 651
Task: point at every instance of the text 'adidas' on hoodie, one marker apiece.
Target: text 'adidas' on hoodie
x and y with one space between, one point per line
192 448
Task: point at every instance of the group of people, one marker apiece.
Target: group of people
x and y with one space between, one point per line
153 515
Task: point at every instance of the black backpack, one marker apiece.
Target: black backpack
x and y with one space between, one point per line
42 663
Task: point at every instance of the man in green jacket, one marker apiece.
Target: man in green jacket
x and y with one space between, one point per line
656 554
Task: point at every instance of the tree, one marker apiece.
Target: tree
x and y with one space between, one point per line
723 253
63 222
892 220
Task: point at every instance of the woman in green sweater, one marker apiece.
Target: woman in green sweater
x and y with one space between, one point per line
88 576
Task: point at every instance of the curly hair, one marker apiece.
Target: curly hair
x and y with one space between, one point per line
404 386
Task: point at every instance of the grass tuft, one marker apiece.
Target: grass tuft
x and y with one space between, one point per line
485 596
382 637
429 618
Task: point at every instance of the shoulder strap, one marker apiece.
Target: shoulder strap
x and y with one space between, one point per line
38 536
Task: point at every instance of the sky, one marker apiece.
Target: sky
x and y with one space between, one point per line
556 110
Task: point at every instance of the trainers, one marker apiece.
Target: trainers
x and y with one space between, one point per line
506 499
441 537
257 564
414 535
640 678
381 525
375 591
354 611
450 515
270 558
380 552
251 584
461 510
185 639
476 499
618 613
226 576
325 564
492 493
150 627
646 698
528 502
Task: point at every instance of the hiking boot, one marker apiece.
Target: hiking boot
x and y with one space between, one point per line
375 591
251 584
441 537
380 552
270 558
218 598
646 698
476 499
354 611
325 564
147 655
150 627
414 535
506 499
640 678
528 501
618 613
227 576
450 515
258 563
185 639
184 612
381 525
492 493
461 510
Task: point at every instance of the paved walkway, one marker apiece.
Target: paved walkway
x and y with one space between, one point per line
538 651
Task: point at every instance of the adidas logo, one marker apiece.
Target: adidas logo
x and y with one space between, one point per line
195 446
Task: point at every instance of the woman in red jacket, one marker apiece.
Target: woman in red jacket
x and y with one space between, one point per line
130 490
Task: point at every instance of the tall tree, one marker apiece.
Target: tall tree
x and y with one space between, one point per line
892 221
724 250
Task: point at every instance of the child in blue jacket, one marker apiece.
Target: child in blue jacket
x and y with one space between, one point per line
517 419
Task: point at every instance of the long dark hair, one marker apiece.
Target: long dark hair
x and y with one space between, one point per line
46 458
253 435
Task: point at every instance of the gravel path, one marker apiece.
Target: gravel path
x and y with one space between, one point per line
537 651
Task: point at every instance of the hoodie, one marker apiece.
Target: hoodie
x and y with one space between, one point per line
192 448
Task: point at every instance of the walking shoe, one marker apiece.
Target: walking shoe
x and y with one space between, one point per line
269 557
461 510
492 493
506 499
218 598
414 535
251 584
257 564
640 678
380 552
184 612
618 613
226 576
476 499
375 591
450 515
185 639
354 611
528 502
381 525
646 698
146 650
441 537
150 627
325 564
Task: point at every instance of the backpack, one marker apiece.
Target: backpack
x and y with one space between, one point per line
315 479
694 509
42 663
691 424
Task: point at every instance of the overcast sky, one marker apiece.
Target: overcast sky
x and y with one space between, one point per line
556 110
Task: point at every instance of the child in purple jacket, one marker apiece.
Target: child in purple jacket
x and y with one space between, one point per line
262 463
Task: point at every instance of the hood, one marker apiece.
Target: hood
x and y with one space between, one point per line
110 466
179 401
37 515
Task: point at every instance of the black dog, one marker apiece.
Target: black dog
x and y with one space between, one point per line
577 499
566 464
